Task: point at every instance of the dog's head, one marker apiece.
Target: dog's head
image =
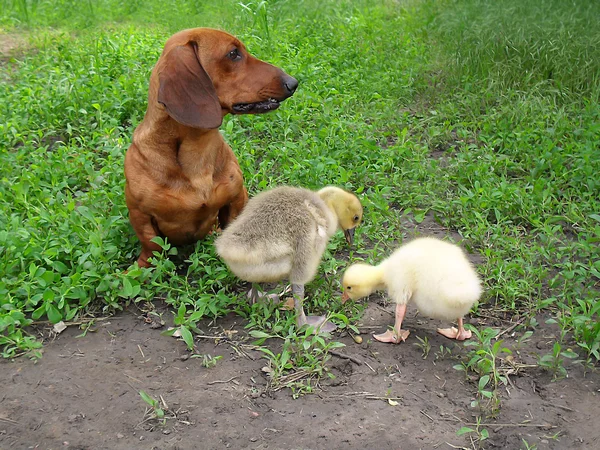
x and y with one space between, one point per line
205 74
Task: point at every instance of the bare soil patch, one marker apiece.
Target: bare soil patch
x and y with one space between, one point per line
11 46
83 394
10 43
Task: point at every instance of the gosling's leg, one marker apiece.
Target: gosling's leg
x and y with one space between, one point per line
398 334
319 323
298 293
255 295
459 334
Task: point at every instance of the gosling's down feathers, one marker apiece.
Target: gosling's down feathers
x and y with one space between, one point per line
434 275
282 234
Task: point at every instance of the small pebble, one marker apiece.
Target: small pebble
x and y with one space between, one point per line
120 436
166 431
184 357
253 439
357 339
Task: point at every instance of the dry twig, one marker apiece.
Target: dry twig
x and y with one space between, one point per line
372 370
344 356
426 415
385 310
222 381
6 419
509 329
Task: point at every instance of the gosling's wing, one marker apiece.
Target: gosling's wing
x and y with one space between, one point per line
268 229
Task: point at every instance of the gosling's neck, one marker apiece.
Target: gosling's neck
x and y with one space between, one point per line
373 278
331 197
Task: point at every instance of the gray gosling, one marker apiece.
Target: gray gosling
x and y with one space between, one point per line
282 234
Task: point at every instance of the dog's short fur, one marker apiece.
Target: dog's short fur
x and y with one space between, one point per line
182 179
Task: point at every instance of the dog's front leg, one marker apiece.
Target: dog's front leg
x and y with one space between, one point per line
229 212
144 228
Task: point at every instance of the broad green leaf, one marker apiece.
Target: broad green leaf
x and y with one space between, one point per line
259 334
147 398
187 337
464 430
483 381
53 314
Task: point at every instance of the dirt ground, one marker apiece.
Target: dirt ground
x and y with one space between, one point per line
84 394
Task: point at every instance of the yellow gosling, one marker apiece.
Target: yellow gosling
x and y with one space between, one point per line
434 275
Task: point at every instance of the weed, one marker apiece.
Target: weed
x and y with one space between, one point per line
554 361
554 437
424 345
13 340
443 352
208 361
258 12
302 359
528 446
483 360
583 321
523 339
86 327
479 433
155 411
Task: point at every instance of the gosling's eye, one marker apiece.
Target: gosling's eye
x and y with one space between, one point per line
234 55
356 218
349 288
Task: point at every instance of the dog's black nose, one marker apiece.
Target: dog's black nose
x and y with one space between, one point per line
290 84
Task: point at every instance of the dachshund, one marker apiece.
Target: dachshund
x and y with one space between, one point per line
182 179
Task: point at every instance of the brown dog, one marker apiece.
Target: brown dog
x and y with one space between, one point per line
182 178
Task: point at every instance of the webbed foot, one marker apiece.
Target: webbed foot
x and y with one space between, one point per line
454 333
390 336
319 323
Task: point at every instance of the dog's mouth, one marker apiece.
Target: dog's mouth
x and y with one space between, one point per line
256 108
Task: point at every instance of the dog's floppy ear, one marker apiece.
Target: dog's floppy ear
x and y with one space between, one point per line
186 91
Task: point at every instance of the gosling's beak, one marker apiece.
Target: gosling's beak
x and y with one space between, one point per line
349 234
345 297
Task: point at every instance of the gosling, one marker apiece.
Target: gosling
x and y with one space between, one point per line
435 275
282 234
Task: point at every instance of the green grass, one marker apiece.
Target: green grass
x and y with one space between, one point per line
506 91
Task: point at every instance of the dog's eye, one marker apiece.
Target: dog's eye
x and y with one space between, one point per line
234 55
